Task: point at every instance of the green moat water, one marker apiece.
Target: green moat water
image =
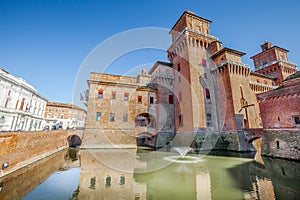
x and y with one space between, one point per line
133 174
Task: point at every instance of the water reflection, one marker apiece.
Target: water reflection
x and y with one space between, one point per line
102 178
20 183
127 174
217 177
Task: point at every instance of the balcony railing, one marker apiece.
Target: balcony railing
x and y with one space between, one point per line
274 62
185 30
231 62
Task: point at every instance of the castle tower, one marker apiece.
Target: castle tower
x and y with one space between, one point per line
273 61
190 40
194 108
241 108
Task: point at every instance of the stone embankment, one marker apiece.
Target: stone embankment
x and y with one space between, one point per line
281 143
18 149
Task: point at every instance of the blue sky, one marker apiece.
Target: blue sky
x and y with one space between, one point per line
47 41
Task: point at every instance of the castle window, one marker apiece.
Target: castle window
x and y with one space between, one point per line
180 118
178 67
62 116
296 120
208 119
203 62
139 99
112 117
113 94
100 94
98 116
125 117
170 99
122 180
108 181
207 93
125 96
151 100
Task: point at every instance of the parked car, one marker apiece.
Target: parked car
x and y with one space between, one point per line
56 127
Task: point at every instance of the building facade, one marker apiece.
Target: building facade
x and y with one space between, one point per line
205 89
194 50
118 110
22 108
69 116
280 108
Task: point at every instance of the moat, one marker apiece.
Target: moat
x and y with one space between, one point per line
141 174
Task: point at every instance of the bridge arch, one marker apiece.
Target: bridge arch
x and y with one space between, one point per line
145 139
145 120
74 140
254 138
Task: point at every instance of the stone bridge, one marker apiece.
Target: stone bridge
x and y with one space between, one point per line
253 134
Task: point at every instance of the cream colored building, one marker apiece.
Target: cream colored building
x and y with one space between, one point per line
69 116
21 106
118 110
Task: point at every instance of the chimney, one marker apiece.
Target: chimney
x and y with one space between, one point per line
267 45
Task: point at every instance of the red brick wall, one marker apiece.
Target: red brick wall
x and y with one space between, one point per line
19 147
278 112
281 143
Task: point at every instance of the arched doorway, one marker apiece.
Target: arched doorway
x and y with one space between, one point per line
144 120
145 140
74 141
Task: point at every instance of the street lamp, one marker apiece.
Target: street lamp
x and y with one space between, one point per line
5 165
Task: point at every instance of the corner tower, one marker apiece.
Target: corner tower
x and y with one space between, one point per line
190 40
273 61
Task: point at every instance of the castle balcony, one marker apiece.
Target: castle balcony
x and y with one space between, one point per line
232 63
284 63
260 87
186 31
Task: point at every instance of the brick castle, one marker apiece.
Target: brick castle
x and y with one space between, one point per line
204 89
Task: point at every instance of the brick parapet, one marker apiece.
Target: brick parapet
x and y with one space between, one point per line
19 147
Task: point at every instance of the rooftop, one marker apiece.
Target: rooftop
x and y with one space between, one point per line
188 12
293 76
225 49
